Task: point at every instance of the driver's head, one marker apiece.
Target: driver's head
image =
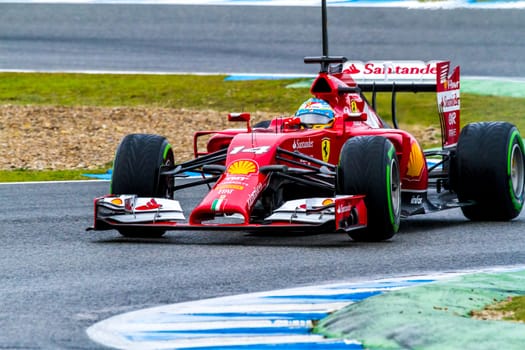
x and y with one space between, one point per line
316 114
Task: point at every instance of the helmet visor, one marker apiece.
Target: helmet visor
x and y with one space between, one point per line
313 118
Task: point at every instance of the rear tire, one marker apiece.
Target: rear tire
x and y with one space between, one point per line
136 171
368 165
490 171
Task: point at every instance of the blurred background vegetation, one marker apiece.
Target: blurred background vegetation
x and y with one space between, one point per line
213 92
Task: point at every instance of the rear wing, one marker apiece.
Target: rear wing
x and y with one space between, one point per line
382 76
411 76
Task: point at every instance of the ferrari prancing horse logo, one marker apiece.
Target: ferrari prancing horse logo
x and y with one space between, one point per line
353 105
325 149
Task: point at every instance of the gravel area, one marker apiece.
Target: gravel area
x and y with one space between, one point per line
43 137
57 138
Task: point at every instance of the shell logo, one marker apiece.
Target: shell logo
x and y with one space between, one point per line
327 201
416 161
117 201
242 167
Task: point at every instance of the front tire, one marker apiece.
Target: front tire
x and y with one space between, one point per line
136 171
368 165
490 171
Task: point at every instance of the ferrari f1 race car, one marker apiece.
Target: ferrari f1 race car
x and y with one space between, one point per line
334 166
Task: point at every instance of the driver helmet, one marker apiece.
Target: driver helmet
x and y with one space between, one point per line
316 114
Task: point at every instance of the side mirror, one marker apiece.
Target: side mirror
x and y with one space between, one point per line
241 117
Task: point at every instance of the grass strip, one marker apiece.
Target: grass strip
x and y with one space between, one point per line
25 175
212 92
511 309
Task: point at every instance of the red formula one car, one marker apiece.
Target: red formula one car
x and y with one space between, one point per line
333 166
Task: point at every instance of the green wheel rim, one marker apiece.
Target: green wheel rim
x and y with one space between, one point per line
516 170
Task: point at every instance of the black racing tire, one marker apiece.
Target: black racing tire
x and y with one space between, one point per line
490 171
136 171
368 165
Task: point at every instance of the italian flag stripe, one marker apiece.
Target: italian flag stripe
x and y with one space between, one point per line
216 204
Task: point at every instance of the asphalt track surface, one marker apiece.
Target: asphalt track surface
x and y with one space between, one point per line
252 39
57 279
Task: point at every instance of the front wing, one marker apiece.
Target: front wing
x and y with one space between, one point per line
341 213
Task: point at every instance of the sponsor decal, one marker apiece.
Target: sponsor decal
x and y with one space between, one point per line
242 167
301 144
236 179
451 85
234 182
117 201
230 186
452 118
341 209
255 193
416 199
449 101
452 124
217 203
372 68
392 70
416 161
325 149
152 204
327 201
352 69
